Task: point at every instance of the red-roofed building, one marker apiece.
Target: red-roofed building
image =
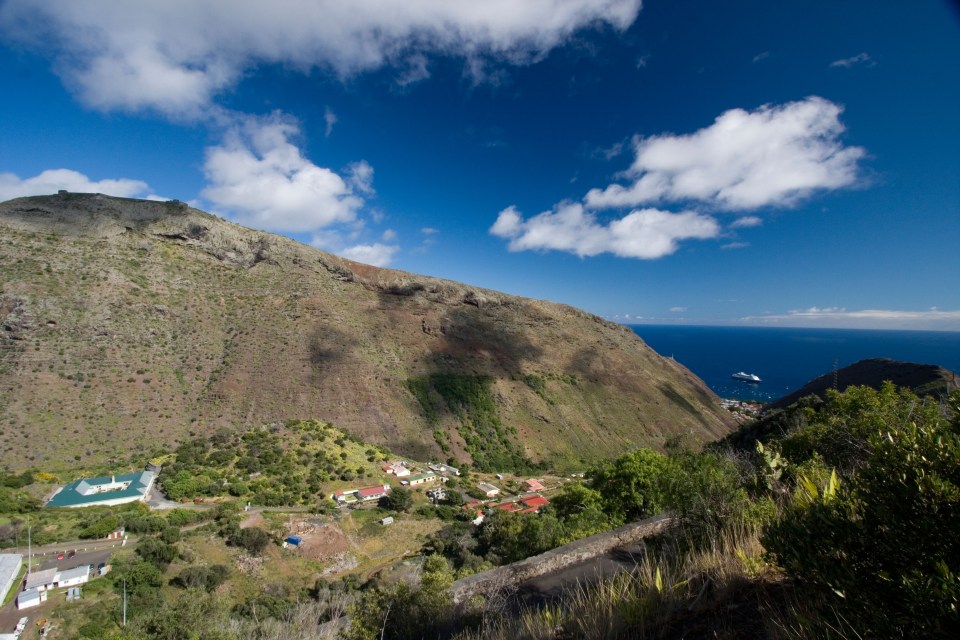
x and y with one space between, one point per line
533 503
366 494
534 485
509 507
373 493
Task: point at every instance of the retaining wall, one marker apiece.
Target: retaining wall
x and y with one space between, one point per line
514 574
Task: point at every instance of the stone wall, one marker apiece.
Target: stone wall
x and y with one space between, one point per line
512 575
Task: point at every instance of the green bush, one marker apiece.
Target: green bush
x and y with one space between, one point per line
880 550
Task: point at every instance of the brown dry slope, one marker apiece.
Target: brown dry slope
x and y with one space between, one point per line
127 324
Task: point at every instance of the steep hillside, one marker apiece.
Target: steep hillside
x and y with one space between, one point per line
922 379
127 324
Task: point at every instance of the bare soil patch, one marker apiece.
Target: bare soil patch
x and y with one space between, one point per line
320 541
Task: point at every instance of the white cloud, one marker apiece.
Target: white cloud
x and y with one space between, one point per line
360 177
746 221
53 180
860 58
329 119
678 309
735 245
389 235
414 70
647 233
763 55
774 156
838 317
377 254
261 179
429 231
176 55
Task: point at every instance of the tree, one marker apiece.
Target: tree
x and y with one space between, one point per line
253 539
157 552
631 486
406 610
399 499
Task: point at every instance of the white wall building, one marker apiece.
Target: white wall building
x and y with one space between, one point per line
10 565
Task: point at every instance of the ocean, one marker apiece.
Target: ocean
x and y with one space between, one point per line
786 358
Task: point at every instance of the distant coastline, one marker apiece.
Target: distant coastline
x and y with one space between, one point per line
786 357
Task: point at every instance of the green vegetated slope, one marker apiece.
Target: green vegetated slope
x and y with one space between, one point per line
127 323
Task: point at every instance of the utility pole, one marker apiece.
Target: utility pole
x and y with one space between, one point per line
124 602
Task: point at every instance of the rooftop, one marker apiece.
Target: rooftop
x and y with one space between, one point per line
95 490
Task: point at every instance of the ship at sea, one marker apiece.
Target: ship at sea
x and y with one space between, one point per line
746 377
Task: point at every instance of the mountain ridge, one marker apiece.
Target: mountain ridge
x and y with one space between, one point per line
136 323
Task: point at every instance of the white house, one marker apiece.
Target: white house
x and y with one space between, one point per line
106 490
488 489
31 598
42 580
73 577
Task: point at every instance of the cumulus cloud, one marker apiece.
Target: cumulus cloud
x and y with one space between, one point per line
839 317
646 233
260 178
377 254
773 156
860 58
176 55
53 180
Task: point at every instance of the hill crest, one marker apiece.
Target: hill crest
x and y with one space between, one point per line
130 323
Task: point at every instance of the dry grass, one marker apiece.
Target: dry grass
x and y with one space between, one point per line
720 591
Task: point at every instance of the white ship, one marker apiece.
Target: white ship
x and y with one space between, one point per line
746 377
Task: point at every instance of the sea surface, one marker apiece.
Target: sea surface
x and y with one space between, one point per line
786 359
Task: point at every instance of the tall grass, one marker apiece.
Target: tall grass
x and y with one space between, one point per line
721 589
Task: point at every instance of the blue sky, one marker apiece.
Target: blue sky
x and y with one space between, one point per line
784 163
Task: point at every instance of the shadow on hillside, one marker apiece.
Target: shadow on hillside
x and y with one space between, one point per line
671 393
490 340
328 347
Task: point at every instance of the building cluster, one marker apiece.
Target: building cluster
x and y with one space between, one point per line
528 502
36 585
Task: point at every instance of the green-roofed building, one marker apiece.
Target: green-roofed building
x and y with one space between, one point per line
106 490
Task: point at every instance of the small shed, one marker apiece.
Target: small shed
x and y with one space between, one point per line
30 598
387 520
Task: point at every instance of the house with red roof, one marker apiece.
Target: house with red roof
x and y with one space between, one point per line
533 503
534 485
365 494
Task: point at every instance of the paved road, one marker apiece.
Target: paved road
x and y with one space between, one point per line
93 558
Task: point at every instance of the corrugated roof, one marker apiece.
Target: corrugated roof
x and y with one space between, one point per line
372 491
10 564
71 574
41 578
72 494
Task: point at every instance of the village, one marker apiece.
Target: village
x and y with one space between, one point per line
49 577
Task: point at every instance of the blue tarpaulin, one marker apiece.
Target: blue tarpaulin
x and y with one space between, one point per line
294 540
